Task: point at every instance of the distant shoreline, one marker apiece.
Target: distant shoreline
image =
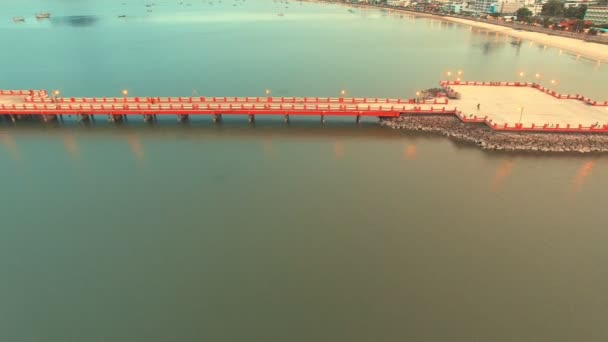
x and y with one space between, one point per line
576 46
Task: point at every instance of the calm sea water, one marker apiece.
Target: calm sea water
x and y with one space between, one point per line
273 233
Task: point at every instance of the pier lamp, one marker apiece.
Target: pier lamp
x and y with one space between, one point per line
56 93
342 92
448 73
460 72
521 74
554 82
125 92
267 92
521 112
417 96
537 75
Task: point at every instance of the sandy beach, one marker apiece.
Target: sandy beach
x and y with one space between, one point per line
576 46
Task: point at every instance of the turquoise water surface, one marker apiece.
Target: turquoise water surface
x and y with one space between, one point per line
273 233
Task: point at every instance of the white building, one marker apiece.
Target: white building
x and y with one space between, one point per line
537 7
455 7
505 6
510 6
597 14
482 6
500 6
576 3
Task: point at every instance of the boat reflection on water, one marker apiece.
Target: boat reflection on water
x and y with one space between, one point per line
71 146
582 174
410 152
339 150
136 147
502 173
10 145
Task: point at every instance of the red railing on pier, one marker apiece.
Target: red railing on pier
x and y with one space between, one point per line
39 103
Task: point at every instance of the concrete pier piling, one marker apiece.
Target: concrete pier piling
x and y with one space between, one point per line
323 119
149 118
183 118
217 118
358 120
287 119
115 118
251 118
84 117
49 118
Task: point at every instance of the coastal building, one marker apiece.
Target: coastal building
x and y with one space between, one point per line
537 7
505 6
509 7
576 3
483 6
468 11
454 7
597 14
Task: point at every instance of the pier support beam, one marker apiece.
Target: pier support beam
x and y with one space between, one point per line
251 118
358 119
217 118
149 118
84 117
323 119
115 118
49 118
287 119
183 118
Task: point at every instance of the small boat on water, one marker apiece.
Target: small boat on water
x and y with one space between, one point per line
43 15
281 14
122 16
18 19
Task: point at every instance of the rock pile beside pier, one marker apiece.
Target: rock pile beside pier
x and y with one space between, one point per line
486 138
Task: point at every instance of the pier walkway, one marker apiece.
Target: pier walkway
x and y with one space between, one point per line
32 103
504 106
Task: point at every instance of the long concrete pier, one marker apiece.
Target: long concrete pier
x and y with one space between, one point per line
503 106
38 103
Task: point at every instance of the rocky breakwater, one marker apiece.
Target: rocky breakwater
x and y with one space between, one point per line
486 138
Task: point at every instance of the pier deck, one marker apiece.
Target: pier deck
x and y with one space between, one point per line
504 106
507 104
